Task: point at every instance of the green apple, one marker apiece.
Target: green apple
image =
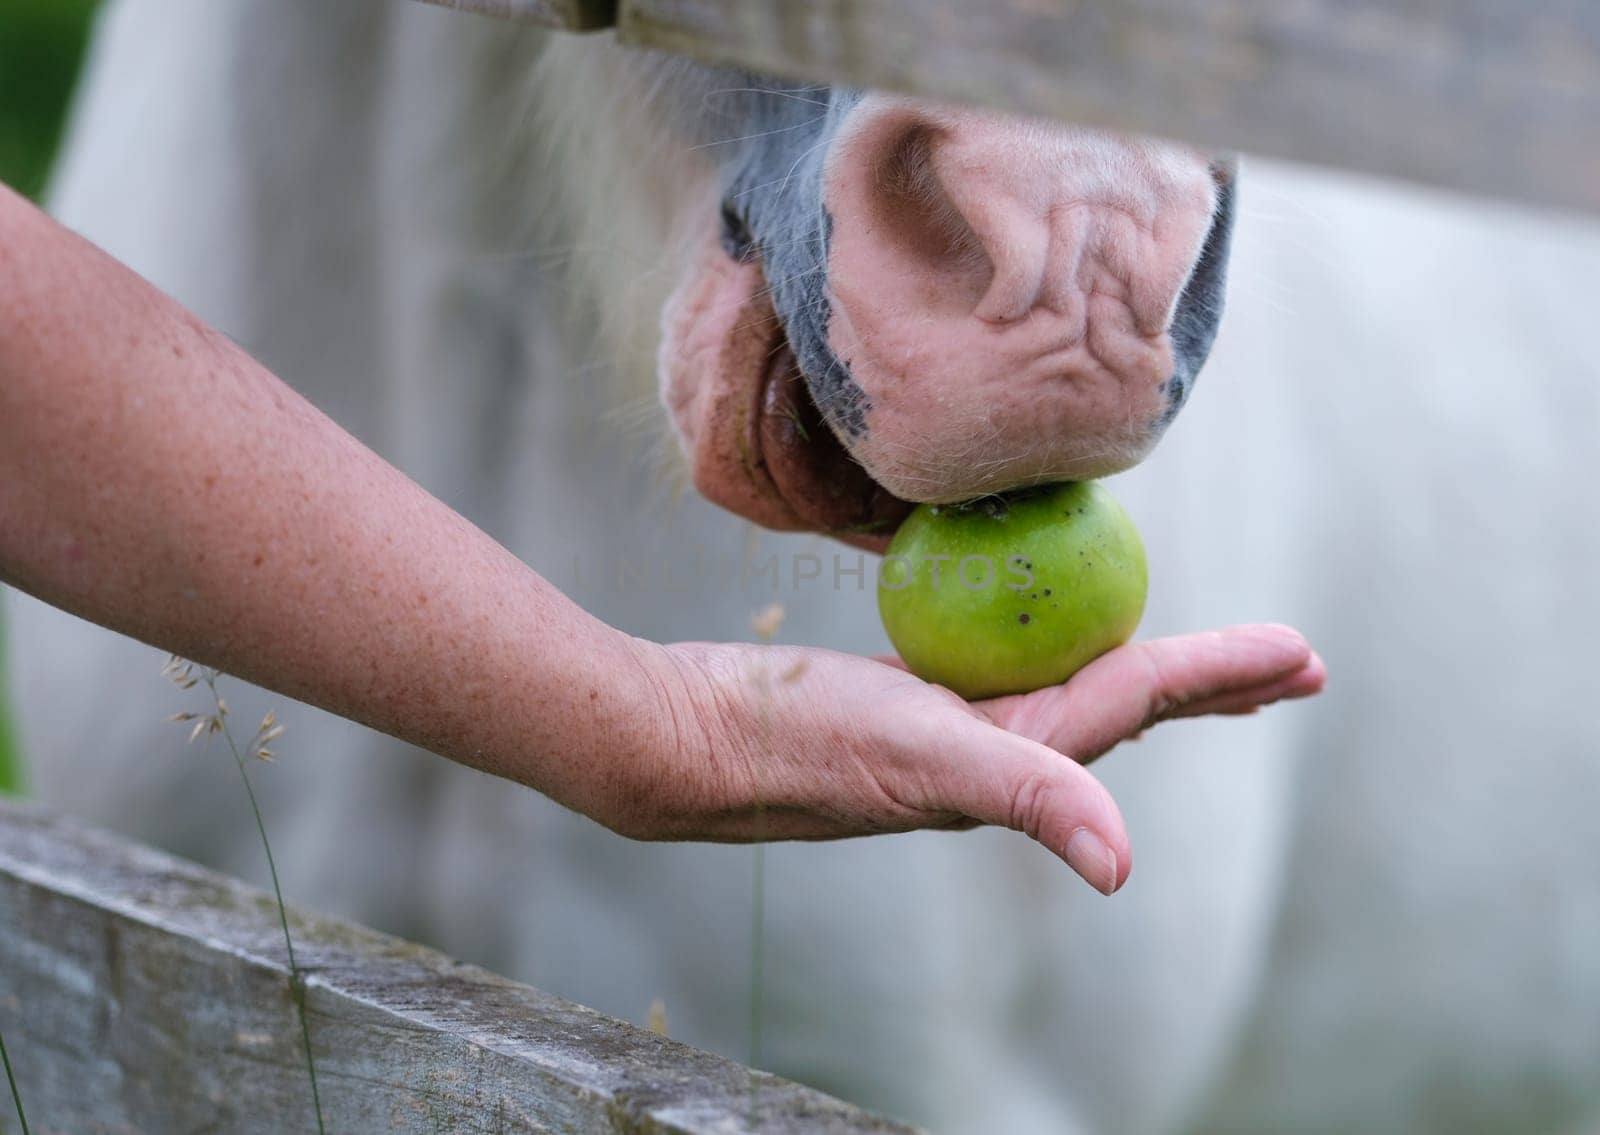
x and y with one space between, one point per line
1010 594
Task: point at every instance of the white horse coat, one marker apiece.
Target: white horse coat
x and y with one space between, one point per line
1376 911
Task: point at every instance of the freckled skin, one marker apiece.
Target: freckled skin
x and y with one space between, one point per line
1013 636
231 522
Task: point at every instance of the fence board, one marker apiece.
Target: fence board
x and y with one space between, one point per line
573 15
141 993
1491 96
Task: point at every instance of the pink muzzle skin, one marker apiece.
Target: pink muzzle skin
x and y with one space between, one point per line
1000 291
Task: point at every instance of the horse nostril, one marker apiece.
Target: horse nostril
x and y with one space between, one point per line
737 240
888 182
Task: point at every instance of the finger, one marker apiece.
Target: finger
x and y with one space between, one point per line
1305 682
999 778
1124 692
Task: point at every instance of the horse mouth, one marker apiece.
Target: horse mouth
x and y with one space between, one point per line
757 443
809 469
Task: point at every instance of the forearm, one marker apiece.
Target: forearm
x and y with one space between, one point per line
156 480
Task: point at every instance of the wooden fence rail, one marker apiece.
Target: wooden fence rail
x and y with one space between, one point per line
1500 97
139 993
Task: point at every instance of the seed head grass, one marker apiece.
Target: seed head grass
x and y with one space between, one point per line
214 723
765 624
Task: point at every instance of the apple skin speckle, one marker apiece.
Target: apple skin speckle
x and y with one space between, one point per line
977 626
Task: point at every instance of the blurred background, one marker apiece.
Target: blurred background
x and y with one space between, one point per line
1377 911
41 50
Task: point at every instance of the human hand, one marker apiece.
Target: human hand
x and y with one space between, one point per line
793 743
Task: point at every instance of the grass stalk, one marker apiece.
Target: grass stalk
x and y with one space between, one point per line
183 675
296 978
758 949
11 1079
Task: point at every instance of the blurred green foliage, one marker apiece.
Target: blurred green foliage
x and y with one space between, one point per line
41 49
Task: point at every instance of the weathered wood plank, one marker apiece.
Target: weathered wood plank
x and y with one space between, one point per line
140 993
1491 96
572 15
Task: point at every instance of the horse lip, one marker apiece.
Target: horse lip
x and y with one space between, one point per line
810 470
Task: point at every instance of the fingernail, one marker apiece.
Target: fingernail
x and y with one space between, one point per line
1088 855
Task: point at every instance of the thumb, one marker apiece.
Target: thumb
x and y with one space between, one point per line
1000 778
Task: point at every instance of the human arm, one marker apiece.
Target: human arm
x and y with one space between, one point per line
155 479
